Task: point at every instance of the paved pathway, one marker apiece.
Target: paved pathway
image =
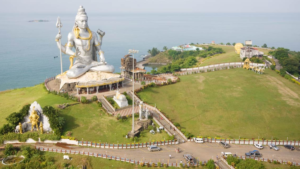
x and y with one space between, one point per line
126 111
162 122
203 152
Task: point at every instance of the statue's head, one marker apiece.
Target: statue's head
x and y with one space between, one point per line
81 18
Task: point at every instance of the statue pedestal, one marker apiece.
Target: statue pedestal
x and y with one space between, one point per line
121 103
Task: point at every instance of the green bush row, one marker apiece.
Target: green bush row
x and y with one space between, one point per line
112 102
23 137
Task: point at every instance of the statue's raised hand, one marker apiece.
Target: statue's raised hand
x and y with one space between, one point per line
100 33
58 37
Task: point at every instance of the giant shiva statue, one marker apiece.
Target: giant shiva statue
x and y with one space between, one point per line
87 46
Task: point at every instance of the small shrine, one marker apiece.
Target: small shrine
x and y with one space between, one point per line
120 99
36 120
143 113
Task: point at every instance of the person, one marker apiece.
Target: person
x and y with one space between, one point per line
170 156
180 161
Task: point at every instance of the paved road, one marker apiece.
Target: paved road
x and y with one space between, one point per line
203 152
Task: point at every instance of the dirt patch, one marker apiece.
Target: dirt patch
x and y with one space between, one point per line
200 79
287 94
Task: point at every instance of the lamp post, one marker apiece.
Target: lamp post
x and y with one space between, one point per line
132 51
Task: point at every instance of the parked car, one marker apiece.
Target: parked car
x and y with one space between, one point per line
188 158
254 153
273 146
224 144
161 128
289 147
259 146
226 154
154 148
198 140
152 131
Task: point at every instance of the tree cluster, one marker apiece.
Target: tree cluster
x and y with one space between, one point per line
154 51
242 164
289 60
14 119
56 122
185 59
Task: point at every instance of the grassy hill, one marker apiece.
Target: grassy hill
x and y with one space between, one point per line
229 56
85 121
14 100
231 103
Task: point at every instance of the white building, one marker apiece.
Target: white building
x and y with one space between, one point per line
250 52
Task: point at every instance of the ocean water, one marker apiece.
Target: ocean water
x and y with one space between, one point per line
27 49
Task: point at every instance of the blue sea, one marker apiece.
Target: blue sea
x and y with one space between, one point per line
28 48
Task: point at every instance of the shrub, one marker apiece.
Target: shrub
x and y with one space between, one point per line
250 163
6 128
99 104
152 84
94 98
141 164
210 164
282 72
273 67
159 164
56 122
9 150
83 99
44 137
69 133
128 98
165 165
232 160
112 102
143 83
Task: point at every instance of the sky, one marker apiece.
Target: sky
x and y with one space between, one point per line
151 6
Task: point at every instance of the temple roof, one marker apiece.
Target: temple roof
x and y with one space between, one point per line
138 70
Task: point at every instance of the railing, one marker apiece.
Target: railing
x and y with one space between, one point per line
126 146
222 65
48 80
251 141
107 103
167 120
144 162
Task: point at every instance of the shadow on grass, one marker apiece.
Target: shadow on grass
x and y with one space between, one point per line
69 123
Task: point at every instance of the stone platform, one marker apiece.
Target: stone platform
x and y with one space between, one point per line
90 79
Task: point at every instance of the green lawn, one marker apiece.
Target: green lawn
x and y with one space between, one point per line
90 123
14 100
231 103
229 56
86 121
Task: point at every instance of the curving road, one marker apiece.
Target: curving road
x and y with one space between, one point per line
203 152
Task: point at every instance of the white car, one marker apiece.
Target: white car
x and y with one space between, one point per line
226 154
154 148
152 131
273 146
198 140
259 146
